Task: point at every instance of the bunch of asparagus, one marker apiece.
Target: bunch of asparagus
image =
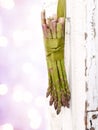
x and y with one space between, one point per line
54 37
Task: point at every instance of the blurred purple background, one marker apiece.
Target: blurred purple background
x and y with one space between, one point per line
23 71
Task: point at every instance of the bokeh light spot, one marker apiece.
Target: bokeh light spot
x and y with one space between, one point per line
7 126
8 4
35 118
22 36
27 97
18 95
21 95
3 41
27 67
40 101
1 25
3 89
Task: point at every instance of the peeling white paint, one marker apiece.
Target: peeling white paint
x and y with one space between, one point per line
92 62
81 59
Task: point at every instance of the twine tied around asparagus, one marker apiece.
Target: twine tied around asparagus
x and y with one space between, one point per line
54 39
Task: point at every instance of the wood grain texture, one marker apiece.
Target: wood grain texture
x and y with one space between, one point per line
81 59
92 63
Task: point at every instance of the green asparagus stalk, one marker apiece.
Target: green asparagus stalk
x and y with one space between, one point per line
43 17
44 28
48 20
59 30
49 33
62 21
54 28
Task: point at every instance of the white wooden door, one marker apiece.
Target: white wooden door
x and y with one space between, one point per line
81 59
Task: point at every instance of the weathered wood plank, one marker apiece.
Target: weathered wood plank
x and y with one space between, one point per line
78 63
91 54
91 67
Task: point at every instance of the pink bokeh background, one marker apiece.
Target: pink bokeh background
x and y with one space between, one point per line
23 71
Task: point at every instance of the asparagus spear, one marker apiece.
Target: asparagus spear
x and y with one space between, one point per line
54 28
43 17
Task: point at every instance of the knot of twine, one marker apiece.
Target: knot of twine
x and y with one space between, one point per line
54 49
